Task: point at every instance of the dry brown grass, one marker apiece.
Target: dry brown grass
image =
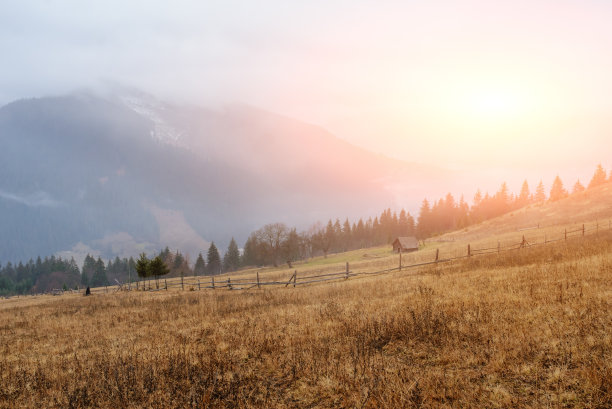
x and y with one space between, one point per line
530 328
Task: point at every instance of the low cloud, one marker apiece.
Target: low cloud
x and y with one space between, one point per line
36 199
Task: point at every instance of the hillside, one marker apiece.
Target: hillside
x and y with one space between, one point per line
523 328
123 172
590 206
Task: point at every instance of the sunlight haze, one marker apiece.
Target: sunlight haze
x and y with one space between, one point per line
517 84
306 204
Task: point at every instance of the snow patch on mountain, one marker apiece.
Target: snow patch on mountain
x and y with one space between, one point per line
162 131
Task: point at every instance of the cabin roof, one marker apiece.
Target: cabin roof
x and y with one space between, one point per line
409 242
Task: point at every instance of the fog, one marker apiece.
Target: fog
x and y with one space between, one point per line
519 89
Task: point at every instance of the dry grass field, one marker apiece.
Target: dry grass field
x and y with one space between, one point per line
524 328
530 328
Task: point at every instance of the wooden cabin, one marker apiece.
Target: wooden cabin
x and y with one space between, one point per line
405 244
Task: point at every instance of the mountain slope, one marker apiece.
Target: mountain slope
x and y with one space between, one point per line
125 173
590 206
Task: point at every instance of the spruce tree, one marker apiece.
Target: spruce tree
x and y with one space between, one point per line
346 235
578 187
328 238
540 194
231 259
178 263
87 272
158 268
523 197
213 260
200 266
142 266
424 224
599 177
99 278
557 191
250 255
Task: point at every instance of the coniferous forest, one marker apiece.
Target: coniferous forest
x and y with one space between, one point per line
276 243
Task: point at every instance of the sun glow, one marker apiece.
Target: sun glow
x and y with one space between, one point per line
493 104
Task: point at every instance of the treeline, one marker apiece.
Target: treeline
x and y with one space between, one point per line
39 276
276 243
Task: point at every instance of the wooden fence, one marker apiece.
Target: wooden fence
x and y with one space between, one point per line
220 282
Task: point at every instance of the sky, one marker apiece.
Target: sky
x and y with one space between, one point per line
495 88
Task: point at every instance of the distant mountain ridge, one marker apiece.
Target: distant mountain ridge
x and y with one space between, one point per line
123 173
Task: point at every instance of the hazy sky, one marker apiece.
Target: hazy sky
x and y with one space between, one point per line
477 84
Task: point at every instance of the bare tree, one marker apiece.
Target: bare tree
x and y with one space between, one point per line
273 235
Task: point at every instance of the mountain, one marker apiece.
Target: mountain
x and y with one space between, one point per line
123 172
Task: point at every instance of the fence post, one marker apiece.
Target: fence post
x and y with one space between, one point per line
199 288
545 239
347 271
229 283
137 284
290 279
212 280
166 284
565 234
182 284
582 229
294 278
258 286
437 255
469 251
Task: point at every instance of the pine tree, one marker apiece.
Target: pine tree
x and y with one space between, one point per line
599 177
178 264
424 223
477 198
250 255
166 255
578 187
404 224
200 266
502 200
87 272
231 259
328 238
557 191
158 268
359 232
142 266
540 194
463 213
346 235
99 278
337 233
131 267
213 260
523 197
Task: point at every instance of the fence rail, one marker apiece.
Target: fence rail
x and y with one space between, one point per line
219 282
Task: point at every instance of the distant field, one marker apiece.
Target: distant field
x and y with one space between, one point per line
524 328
